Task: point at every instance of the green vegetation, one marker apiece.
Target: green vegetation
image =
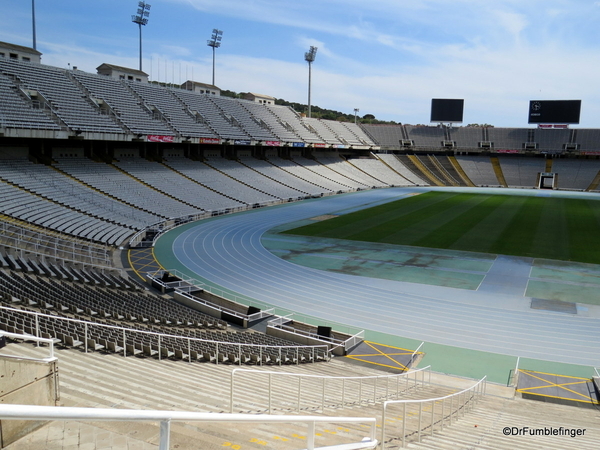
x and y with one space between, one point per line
541 227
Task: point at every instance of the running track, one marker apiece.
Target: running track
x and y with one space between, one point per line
227 251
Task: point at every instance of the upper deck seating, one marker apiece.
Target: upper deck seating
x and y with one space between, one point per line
67 100
211 115
173 110
16 112
130 110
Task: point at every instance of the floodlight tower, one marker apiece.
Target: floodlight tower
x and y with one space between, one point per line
33 23
141 18
309 57
215 42
356 110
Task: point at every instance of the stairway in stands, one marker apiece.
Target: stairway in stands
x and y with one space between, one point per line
107 380
484 427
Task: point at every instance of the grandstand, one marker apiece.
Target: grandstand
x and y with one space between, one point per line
93 166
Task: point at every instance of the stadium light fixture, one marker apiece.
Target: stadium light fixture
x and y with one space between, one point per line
309 57
141 18
356 110
215 42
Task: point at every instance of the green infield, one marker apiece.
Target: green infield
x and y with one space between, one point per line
541 227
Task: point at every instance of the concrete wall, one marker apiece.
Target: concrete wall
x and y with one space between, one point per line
25 382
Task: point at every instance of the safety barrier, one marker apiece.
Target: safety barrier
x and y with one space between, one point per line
318 391
165 418
161 350
465 400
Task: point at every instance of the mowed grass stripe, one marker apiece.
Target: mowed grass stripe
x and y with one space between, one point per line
553 237
343 227
584 231
541 227
465 224
517 236
408 228
488 230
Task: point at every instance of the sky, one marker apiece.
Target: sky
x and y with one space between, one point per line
387 58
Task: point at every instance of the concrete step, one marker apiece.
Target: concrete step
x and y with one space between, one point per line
107 380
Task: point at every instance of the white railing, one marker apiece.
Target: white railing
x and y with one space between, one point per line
317 351
465 400
414 354
58 246
186 284
28 337
165 418
318 391
280 322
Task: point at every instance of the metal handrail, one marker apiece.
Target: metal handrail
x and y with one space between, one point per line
188 340
29 337
478 389
407 375
30 412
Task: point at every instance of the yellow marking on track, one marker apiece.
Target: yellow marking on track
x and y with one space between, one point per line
378 352
553 374
562 398
552 384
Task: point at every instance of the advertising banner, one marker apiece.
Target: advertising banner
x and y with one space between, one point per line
157 138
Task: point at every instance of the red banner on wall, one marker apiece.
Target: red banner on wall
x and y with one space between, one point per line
272 143
158 138
319 145
507 151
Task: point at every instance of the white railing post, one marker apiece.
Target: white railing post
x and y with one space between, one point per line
360 392
165 430
387 387
159 352
85 338
383 419
37 327
403 426
375 391
323 397
299 391
270 394
420 415
432 414
311 436
231 391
